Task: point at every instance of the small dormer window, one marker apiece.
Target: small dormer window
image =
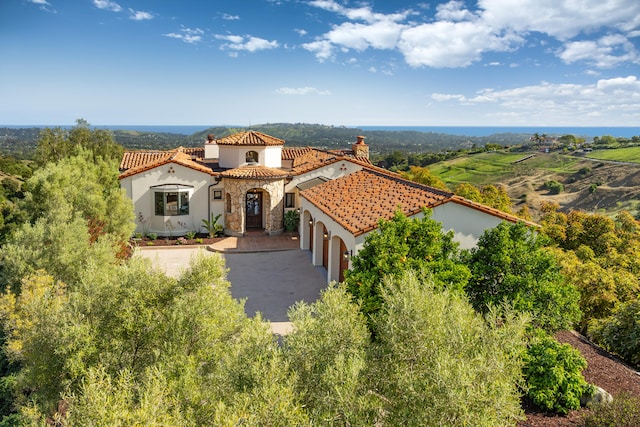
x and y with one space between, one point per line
251 157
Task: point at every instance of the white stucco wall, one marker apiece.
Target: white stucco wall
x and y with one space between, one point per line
138 188
467 223
235 156
272 157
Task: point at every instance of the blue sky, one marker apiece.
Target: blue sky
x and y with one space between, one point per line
242 62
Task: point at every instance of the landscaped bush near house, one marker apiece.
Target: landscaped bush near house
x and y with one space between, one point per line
620 333
291 220
623 411
152 236
553 372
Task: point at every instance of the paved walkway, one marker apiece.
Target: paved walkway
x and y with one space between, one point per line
257 243
269 272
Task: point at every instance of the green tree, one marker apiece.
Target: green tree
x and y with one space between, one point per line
328 355
179 347
58 243
423 176
438 362
511 264
620 333
490 195
57 144
402 244
88 188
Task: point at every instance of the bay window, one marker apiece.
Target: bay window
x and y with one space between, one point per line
171 200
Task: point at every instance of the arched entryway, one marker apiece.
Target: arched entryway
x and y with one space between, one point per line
325 247
345 255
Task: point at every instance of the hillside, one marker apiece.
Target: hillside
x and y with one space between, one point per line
22 142
589 184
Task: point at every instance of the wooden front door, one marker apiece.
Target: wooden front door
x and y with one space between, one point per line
254 210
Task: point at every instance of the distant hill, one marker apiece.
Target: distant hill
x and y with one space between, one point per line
22 142
589 184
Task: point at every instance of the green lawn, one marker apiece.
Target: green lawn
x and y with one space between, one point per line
628 154
488 168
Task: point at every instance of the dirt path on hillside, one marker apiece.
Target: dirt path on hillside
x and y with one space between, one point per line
617 186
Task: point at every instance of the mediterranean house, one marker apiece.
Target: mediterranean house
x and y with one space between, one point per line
250 180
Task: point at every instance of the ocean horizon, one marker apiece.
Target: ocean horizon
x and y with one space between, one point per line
473 131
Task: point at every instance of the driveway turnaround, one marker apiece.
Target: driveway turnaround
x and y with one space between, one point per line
270 282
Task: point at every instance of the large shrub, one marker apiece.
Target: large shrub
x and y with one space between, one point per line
511 264
440 363
553 372
620 333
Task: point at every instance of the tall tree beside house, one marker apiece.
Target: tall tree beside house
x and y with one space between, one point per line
72 206
89 188
402 244
57 144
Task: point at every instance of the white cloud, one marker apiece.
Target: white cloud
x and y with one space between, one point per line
247 43
307 90
560 19
228 17
558 102
138 15
107 5
41 2
460 34
451 44
187 35
454 11
322 48
300 31
606 52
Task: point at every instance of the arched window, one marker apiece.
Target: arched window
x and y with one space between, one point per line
251 157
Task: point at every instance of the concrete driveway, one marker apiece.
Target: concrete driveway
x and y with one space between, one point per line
270 282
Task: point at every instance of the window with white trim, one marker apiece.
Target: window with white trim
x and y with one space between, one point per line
171 200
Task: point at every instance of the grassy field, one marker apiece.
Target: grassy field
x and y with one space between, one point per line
629 154
491 167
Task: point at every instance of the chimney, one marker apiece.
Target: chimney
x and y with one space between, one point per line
360 149
211 148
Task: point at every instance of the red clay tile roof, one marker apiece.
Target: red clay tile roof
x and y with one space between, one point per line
254 172
294 152
142 163
132 159
250 138
359 200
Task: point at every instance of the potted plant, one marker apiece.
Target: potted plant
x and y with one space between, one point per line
291 220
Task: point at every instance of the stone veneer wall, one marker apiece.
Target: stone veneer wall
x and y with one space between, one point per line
272 204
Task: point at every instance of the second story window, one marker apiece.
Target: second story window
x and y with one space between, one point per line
251 157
